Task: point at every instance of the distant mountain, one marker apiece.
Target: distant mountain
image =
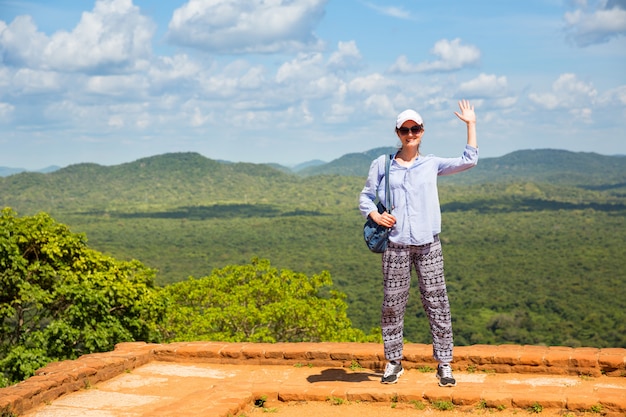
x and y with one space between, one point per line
51 168
279 167
190 178
354 164
6 171
548 165
543 165
308 164
150 181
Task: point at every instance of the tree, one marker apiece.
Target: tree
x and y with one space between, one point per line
258 303
61 299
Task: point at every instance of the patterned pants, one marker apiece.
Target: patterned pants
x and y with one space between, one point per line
428 262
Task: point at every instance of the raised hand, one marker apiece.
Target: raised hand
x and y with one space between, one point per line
467 112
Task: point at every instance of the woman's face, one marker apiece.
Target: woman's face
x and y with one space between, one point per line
410 134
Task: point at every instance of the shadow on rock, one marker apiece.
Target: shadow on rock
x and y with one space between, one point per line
339 374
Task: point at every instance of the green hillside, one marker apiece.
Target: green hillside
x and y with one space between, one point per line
544 165
534 241
551 166
356 164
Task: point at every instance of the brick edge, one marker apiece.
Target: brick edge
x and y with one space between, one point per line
60 378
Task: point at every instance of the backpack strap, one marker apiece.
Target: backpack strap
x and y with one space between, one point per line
387 203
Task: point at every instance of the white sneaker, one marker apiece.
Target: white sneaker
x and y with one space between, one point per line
392 372
444 374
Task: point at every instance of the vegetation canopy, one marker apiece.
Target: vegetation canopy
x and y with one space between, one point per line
258 303
61 299
533 244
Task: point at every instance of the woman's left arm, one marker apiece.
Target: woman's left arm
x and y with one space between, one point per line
469 117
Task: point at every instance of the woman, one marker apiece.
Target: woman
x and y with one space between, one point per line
415 222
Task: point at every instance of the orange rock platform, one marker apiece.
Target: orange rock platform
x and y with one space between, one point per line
222 379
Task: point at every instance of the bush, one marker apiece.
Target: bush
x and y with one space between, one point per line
61 299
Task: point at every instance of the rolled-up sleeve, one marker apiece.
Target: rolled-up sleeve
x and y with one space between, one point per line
468 160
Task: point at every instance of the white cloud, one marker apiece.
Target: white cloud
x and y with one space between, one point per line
28 81
304 66
612 100
198 119
588 27
6 111
453 55
247 26
113 37
370 84
173 71
346 57
21 44
403 66
380 104
117 85
339 113
505 102
106 84
485 85
116 121
6 77
569 94
391 11
78 113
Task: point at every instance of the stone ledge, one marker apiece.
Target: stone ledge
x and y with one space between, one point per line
501 358
59 378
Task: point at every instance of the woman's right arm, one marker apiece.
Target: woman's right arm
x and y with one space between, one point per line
368 194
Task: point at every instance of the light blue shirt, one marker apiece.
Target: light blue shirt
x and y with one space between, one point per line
414 195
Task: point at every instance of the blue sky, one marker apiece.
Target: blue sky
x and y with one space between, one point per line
289 81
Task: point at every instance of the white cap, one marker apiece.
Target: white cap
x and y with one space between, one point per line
409 115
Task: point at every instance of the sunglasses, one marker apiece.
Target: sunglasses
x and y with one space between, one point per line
413 129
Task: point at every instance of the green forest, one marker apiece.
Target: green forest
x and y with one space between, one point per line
536 256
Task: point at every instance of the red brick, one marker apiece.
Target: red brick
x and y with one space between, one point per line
481 354
496 399
191 350
318 352
232 351
533 355
339 393
52 367
466 396
525 369
560 370
585 358
314 394
507 354
369 395
340 351
438 394
307 394
296 351
9 401
366 351
499 369
558 356
612 359
545 399
612 399
254 350
581 402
